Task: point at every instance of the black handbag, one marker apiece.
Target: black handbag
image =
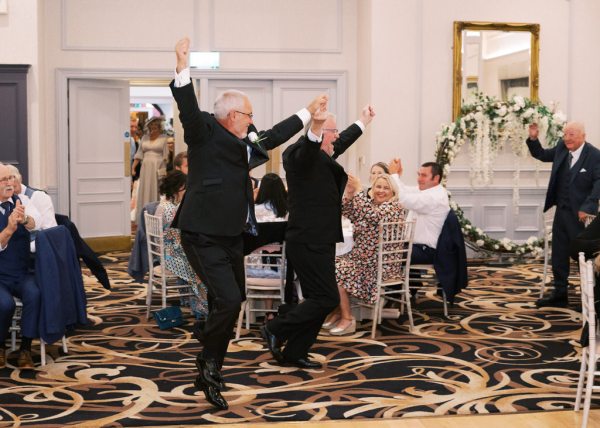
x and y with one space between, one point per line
168 317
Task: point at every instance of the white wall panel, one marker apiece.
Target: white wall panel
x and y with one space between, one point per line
117 25
276 25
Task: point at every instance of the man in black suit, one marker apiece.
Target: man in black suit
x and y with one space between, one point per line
316 184
218 206
575 189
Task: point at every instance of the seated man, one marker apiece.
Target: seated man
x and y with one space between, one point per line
428 203
38 198
17 219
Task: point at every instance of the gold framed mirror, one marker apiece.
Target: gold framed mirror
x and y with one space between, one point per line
496 58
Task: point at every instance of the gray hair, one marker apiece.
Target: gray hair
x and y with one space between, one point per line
14 171
229 100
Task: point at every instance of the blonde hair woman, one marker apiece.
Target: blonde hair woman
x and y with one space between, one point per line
356 271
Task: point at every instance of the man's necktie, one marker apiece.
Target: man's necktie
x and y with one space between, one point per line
7 207
570 160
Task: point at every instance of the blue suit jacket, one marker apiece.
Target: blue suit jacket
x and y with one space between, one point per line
58 276
584 187
450 261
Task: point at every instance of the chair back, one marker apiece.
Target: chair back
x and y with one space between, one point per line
588 310
266 266
393 251
154 238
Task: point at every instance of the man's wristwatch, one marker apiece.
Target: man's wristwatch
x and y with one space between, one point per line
25 220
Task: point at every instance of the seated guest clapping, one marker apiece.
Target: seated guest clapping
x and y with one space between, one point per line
172 189
356 272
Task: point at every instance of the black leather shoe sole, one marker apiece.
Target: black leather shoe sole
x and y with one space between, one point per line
212 394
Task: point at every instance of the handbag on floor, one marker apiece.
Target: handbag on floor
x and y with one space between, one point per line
168 317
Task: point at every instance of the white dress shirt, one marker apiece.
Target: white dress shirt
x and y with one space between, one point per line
430 207
43 203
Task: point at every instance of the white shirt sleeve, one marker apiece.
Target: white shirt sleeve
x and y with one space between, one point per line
360 125
31 211
182 78
43 203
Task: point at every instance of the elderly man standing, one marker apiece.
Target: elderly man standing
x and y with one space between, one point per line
316 184
16 221
574 188
218 206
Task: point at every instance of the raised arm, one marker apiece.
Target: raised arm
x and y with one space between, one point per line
349 135
535 148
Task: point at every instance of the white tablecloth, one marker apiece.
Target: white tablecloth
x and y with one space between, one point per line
346 246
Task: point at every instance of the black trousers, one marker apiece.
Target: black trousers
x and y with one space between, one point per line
565 228
219 262
315 267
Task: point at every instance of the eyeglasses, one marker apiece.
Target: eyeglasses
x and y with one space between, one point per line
7 179
332 130
250 115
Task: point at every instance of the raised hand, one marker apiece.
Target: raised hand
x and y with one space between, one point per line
395 166
318 104
353 186
182 52
534 131
367 114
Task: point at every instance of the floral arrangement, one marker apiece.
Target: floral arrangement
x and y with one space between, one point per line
488 125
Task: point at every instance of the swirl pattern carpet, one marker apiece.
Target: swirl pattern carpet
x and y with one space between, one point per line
496 354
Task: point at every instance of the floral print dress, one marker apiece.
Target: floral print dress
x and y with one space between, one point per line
176 261
356 271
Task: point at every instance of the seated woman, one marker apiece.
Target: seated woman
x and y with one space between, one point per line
376 170
271 199
356 272
172 188
271 210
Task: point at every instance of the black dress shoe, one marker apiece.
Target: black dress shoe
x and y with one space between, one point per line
212 394
553 301
273 344
209 373
304 363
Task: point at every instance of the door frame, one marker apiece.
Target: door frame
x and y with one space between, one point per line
63 75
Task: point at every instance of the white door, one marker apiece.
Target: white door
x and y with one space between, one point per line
99 189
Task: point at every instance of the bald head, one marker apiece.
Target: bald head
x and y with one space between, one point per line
574 135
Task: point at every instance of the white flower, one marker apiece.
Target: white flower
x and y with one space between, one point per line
468 226
479 242
496 247
502 111
559 117
479 231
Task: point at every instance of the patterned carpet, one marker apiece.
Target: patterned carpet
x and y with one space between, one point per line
496 353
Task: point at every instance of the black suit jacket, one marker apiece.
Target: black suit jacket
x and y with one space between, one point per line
584 187
219 192
316 185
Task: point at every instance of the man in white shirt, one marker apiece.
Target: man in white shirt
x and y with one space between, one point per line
428 202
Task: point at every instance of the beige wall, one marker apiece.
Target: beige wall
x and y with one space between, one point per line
397 55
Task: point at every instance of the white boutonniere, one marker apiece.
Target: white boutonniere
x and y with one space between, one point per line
256 139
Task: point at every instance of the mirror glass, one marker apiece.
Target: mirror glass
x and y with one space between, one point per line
497 59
